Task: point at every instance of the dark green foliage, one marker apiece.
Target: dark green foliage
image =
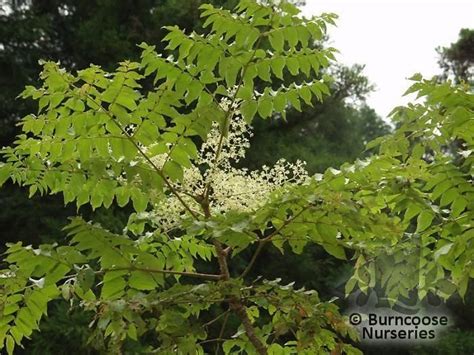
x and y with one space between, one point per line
65 331
457 60
454 342
325 136
21 219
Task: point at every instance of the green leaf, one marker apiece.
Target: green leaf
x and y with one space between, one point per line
277 40
129 149
194 90
249 109
279 102
458 207
245 92
85 279
424 220
293 66
132 332
335 250
305 94
173 170
4 173
328 232
229 69
180 156
263 71
443 250
84 148
412 211
291 35
297 245
446 287
127 100
141 280
293 99
75 104
265 107
10 344
26 321
351 283
448 197
139 199
122 195
277 65
338 183
114 285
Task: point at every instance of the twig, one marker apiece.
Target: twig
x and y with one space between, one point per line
216 319
221 332
160 271
267 239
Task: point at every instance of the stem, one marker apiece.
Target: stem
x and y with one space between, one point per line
253 260
285 224
172 272
221 332
222 260
212 341
236 304
216 319
267 239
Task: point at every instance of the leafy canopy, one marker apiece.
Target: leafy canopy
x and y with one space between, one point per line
160 137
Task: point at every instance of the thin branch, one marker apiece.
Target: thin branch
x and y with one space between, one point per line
221 332
212 341
216 319
267 239
160 271
285 224
253 260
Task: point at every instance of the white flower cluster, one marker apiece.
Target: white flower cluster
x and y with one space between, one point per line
229 188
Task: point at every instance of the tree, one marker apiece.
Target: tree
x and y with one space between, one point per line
77 33
457 60
100 137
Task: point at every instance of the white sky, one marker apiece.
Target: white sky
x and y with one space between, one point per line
394 39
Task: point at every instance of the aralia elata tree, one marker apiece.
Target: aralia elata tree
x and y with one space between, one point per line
168 149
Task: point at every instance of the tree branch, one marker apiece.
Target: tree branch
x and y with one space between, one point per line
267 239
160 271
239 310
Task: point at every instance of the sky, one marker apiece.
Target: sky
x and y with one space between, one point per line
394 39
